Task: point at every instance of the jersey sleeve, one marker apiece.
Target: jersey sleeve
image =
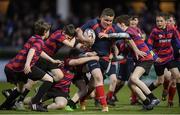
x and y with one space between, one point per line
150 43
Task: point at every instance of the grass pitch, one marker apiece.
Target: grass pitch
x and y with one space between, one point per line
122 107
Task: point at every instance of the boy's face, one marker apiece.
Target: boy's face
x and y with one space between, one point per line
122 26
134 22
106 21
68 37
160 22
171 21
47 34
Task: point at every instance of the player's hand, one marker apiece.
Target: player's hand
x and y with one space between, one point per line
96 58
140 53
27 68
102 35
91 54
158 60
60 63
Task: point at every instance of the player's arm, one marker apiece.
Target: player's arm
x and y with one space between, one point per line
136 50
69 43
27 67
150 43
114 35
82 38
47 57
82 60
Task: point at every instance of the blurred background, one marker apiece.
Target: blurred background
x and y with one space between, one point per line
17 17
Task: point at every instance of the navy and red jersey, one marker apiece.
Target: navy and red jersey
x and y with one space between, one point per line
101 46
54 43
64 84
176 47
18 62
69 73
160 42
136 35
122 47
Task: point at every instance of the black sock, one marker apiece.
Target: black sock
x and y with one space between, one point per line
118 87
152 86
42 90
72 104
178 90
146 102
23 95
151 96
11 99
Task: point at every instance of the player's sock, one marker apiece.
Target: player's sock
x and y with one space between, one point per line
109 95
151 96
101 95
166 84
42 90
146 102
152 86
178 90
133 98
172 92
23 95
118 87
72 104
7 104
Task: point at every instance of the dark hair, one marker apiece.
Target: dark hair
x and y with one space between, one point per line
108 12
171 15
132 17
74 52
123 19
161 14
40 26
69 30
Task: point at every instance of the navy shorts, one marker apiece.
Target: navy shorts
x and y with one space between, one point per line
104 67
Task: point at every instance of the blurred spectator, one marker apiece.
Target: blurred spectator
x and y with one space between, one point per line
16 27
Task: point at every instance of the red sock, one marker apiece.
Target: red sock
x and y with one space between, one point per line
133 96
83 99
110 94
166 84
101 95
172 92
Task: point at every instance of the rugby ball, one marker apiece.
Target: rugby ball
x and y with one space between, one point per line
89 33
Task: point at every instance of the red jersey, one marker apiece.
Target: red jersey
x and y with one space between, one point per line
54 43
136 35
18 62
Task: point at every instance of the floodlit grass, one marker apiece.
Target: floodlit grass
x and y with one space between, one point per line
122 107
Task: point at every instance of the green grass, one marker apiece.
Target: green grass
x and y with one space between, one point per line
122 107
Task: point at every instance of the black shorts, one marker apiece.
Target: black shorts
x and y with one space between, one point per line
146 65
78 76
159 69
178 64
15 77
125 70
53 93
46 65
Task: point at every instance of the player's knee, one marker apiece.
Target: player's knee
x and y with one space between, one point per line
47 77
133 79
61 104
114 80
57 74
